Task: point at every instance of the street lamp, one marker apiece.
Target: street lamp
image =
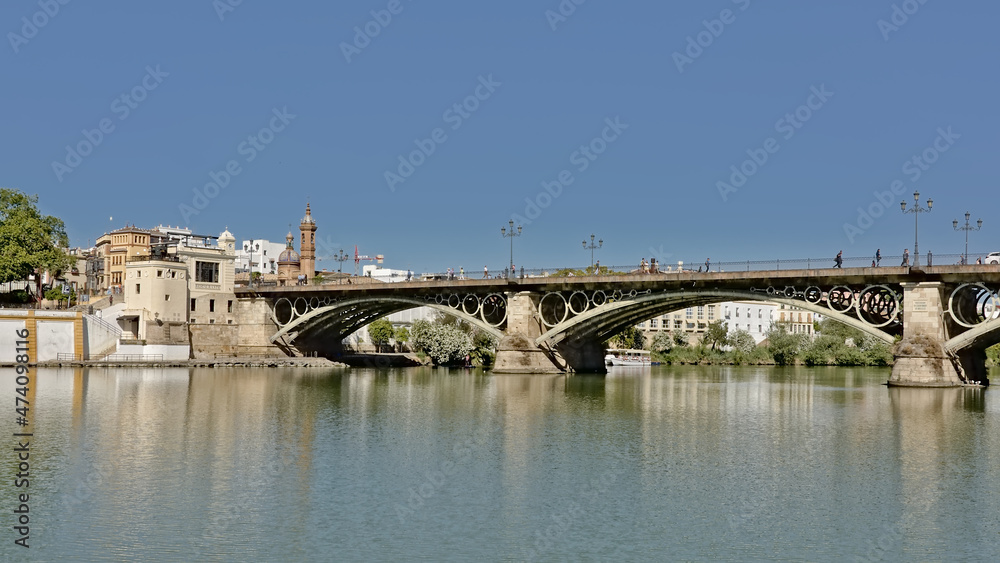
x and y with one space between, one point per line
967 228
250 246
600 243
340 258
917 210
511 235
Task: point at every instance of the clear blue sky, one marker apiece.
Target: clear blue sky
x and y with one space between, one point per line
653 191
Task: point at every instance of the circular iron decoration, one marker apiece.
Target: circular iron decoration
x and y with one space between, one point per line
598 298
813 294
878 305
553 309
470 305
493 310
972 304
578 302
283 313
840 299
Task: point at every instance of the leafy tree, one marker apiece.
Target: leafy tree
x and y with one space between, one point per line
716 334
742 341
681 338
380 332
783 345
663 342
401 336
29 241
485 351
570 272
631 337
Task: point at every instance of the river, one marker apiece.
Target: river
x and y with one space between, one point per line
670 463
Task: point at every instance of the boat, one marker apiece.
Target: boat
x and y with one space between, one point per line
627 357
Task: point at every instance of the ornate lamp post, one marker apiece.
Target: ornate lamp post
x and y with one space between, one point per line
600 243
511 235
250 246
967 228
917 210
340 257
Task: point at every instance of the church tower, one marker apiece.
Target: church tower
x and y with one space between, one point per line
307 246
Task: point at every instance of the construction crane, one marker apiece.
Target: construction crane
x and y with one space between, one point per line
359 257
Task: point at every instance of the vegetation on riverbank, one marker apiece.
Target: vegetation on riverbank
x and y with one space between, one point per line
836 345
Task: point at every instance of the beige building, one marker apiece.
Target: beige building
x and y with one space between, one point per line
118 248
755 317
189 284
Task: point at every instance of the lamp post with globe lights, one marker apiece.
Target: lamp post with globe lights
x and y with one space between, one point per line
511 235
967 227
917 210
250 246
592 246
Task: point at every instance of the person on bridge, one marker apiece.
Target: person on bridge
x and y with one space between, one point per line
839 260
707 264
906 257
878 256
486 273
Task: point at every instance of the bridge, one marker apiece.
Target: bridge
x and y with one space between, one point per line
940 319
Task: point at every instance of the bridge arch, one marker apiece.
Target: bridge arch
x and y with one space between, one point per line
600 323
341 318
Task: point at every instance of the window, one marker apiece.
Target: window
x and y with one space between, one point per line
641 325
737 312
193 301
759 328
137 289
159 273
760 312
211 305
166 297
229 306
782 317
211 321
711 312
701 312
206 272
677 323
193 321
689 313
652 323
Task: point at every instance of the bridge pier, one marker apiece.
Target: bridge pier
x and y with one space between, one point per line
920 357
517 352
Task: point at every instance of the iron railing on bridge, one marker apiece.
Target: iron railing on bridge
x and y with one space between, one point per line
928 259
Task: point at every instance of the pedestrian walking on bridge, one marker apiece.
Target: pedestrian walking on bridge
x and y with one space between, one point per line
878 256
906 257
839 260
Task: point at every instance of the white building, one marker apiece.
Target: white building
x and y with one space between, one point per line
387 275
264 254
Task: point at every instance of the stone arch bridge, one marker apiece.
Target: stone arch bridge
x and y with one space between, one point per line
940 318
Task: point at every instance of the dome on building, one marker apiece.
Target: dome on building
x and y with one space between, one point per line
288 256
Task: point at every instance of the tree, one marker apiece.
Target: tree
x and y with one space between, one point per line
742 341
29 241
401 336
380 332
631 337
681 338
663 342
783 345
715 334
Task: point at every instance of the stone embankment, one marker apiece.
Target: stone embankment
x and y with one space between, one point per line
216 363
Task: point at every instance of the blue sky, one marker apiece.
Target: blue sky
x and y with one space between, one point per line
831 103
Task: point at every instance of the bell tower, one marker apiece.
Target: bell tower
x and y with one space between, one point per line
307 245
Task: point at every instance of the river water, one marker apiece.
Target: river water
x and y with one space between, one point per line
669 463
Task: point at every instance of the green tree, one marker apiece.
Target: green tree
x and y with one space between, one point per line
742 341
401 336
631 337
663 342
716 334
29 241
380 332
783 345
681 338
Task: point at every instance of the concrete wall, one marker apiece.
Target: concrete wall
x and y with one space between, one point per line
99 337
255 326
167 351
50 333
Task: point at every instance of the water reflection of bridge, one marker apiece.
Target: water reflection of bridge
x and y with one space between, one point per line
943 316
